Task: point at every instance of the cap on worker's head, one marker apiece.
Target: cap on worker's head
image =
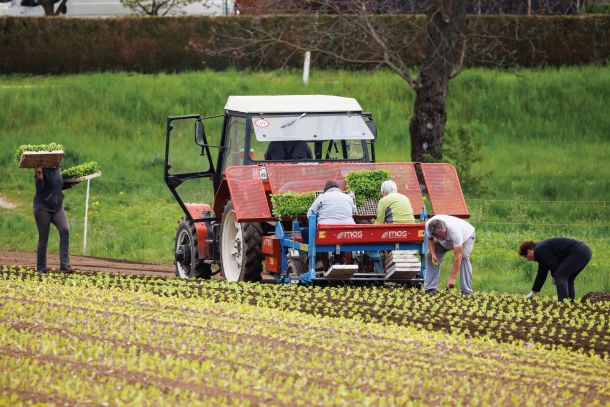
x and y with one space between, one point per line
388 186
331 183
436 225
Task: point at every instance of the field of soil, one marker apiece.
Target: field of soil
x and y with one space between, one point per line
86 263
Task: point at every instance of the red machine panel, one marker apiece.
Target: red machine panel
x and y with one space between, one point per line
307 177
444 189
271 245
357 234
272 264
248 193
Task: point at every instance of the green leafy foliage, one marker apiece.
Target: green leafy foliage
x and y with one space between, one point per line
291 204
81 170
581 326
107 339
366 184
464 152
36 147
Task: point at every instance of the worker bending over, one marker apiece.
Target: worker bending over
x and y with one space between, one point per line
565 258
449 233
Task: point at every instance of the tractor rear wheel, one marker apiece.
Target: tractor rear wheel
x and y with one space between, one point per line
240 248
188 265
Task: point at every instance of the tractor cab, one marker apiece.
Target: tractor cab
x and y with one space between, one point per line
294 129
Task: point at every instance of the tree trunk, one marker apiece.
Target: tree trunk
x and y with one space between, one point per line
445 21
47 6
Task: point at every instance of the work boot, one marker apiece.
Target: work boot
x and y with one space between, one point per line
431 291
66 269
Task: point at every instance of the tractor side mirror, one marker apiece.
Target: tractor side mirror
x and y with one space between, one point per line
199 133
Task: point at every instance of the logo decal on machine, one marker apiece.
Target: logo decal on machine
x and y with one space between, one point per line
395 234
357 234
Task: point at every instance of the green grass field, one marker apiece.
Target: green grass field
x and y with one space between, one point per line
546 137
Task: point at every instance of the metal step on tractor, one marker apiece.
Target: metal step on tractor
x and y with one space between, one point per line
277 144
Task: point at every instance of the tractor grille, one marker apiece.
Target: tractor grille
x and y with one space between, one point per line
247 193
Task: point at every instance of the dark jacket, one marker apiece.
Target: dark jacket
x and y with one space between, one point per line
48 190
288 150
549 254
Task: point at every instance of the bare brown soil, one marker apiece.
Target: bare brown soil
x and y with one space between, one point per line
88 263
595 297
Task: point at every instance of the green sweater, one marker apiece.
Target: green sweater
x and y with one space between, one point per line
395 208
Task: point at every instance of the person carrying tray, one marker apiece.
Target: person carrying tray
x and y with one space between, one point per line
48 208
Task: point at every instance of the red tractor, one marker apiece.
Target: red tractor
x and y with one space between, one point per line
276 144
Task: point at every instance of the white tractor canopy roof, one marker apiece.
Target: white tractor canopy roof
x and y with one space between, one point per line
292 104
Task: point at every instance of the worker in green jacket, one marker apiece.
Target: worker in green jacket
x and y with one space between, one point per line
393 207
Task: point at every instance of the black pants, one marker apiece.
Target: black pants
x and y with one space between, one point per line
43 223
568 269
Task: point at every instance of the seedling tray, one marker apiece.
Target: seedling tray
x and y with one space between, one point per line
46 159
83 178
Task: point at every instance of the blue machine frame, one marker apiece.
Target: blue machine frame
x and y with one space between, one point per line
287 241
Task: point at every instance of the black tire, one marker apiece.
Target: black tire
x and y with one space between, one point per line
188 265
241 249
295 269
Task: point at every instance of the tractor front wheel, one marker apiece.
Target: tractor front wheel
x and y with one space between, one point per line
240 248
185 252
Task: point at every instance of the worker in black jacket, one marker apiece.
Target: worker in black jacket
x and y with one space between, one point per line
288 150
48 208
565 258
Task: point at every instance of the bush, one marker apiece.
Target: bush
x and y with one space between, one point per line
462 151
61 45
598 8
292 204
366 184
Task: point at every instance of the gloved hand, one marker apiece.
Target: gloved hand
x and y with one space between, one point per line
532 294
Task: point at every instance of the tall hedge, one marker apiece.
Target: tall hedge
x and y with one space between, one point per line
63 45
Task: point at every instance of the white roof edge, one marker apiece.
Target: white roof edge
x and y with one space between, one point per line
292 104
